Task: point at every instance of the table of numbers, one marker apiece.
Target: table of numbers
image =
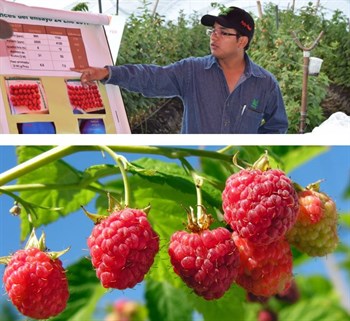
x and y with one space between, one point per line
37 47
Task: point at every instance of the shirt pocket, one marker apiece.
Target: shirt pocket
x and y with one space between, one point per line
250 121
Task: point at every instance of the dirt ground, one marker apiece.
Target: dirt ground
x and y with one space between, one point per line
338 99
167 120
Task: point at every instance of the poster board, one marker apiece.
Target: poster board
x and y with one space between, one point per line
38 91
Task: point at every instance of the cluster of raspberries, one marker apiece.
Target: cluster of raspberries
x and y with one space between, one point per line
259 207
265 214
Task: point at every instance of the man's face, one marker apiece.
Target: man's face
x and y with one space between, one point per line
224 41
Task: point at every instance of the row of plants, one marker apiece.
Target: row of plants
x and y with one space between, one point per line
275 49
152 39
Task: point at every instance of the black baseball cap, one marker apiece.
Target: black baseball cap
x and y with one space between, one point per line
235 18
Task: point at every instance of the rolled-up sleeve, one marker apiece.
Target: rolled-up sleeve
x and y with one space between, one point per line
149 80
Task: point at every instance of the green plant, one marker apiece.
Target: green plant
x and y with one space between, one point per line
47 185
150 39
273 47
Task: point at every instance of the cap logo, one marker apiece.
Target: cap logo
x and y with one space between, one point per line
246 25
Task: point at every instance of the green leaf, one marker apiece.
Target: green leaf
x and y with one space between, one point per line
166 216
173 175
95 172
165 302
221 171
85 291
317 308
344 219
315 284
299 257
229 307
347 192
67 195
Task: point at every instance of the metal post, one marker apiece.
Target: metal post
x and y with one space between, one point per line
260 12
155 8
293 6
317 5
100 6
303 109
306 60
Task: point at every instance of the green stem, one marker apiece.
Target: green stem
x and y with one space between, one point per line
36 162
59 152
122 162
198 181
45 187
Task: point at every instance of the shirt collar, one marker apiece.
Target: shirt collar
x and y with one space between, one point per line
251 69
210 62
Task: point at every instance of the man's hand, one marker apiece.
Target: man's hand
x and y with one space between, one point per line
91 74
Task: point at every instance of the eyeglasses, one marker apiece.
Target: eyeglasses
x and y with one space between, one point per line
220 33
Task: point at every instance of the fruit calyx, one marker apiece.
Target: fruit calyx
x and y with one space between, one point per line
198 224
262 163
314 187
34 242
113 206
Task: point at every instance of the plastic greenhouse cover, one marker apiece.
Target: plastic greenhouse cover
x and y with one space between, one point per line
170 8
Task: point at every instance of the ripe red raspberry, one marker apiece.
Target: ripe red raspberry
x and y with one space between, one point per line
206 261
265 270
250 297
122 248
260 205
36 283
267 315
315 231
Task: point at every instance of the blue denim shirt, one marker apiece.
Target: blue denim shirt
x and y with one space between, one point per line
254 106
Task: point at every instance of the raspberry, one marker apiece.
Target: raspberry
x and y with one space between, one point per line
122 248
290 295
36 283
260 205
315 231
267 315
265 270
250 297
206 261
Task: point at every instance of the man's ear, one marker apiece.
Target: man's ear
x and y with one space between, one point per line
243 41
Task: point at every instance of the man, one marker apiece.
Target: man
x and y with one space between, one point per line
224 92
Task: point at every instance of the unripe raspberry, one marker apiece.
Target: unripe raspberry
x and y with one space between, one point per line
315 231
35 281
122 248
260 206
206 261
265 270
